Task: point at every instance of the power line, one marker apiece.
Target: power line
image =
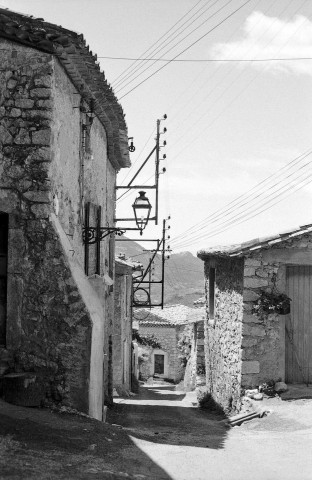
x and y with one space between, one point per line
138 157
187 48
248 208
242 217
160 47
145 181
213 60
242 91
180 41
238 202
214 73
155 43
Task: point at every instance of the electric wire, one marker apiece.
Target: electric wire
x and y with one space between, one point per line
288 189
187 48
239 201
213 234
160 47
138 157
226 89
221 217
175 45
168 31
216 60
129 190
202 85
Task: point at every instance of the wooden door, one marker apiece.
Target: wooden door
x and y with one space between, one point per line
299 325
159 364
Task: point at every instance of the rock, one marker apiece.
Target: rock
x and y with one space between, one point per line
280 387
251 393
258 396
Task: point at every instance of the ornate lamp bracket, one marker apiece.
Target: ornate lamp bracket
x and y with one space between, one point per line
91 235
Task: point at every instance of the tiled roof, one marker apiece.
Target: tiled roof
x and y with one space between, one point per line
172 315
81 66
255 244
130 264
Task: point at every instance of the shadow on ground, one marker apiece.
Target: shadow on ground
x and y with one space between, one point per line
156 416
38 443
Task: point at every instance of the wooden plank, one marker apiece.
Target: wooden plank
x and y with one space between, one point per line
299 322
298 352
306 321
295 256
309 331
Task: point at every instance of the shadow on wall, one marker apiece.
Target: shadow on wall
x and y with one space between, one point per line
152 421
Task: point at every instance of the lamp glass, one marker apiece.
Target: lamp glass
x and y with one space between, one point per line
142 209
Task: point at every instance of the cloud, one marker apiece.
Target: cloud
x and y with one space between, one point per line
270 37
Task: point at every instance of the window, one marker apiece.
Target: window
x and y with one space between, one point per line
212 287
3 275
111 255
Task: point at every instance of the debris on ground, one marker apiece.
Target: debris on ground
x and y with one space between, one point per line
280 387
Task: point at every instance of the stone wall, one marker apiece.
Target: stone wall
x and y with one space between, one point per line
55 323
200 332
262 354
168 338
223 335
190 374
264 338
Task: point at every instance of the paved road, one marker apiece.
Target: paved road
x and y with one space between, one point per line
183 442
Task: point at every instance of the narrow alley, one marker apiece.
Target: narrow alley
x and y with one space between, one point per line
157 434
190 443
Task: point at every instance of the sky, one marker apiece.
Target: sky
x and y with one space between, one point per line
239 122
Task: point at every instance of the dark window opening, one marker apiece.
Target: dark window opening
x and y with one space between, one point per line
86 136
4 225
159 364
93 215
212 287
111 256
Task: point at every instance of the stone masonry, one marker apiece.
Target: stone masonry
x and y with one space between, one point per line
244 350
168 337
55 318
223 336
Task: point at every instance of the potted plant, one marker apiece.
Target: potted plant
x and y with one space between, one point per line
272 302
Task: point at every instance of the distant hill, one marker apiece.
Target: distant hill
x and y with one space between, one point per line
184 273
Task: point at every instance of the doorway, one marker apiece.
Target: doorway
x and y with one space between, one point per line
299 325
159 364
4 224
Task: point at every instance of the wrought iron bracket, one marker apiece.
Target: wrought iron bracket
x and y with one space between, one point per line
91 235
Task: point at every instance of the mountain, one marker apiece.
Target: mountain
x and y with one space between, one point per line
184 273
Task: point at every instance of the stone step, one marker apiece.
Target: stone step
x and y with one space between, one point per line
25 389
5 360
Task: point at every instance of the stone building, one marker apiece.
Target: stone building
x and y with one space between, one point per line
63 138
250 337
124 358
167 326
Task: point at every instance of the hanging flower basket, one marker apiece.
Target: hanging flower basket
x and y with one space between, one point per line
272 302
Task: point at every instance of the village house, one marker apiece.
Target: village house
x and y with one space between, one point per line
258 328
173 328
125 356
63 138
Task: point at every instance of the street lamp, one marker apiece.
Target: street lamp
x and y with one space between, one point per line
142 209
